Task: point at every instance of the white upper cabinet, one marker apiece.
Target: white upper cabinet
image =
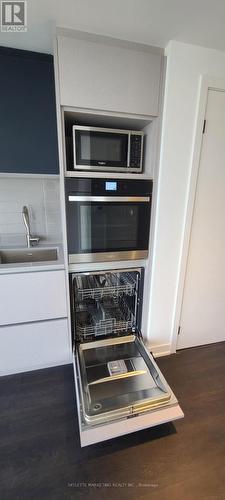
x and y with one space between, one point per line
108 76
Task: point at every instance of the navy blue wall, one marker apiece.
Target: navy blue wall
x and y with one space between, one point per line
28 133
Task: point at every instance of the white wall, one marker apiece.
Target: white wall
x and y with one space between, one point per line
42 199
185 65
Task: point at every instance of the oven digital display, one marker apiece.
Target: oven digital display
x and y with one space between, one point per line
111 186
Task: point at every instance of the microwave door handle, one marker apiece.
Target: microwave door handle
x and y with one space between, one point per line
110 199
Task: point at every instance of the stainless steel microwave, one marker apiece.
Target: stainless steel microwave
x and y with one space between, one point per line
106 149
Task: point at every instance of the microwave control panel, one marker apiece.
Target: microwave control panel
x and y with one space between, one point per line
135 150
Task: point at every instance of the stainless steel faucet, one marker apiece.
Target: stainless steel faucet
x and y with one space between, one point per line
31 240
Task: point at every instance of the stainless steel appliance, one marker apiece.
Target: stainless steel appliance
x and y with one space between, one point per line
107 219
103 149
116 377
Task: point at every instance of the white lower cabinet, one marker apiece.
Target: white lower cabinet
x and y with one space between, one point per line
31 346
33 317
33 296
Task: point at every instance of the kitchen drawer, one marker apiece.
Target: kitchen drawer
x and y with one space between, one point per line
34 345
34 296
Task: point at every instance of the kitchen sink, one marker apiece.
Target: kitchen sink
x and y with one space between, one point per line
16 256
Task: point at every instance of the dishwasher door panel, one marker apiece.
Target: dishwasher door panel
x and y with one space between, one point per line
120 389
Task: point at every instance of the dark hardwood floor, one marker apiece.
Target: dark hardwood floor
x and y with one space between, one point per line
40 456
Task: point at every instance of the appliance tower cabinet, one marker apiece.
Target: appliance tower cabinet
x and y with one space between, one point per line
103 82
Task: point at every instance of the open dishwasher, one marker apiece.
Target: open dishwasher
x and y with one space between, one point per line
116 377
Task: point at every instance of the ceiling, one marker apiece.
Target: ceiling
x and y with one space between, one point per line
155 22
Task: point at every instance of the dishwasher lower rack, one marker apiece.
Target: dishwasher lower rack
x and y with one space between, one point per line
97 319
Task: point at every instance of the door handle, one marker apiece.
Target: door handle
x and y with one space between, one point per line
111 199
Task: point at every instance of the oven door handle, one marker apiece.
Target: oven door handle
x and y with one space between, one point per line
110 199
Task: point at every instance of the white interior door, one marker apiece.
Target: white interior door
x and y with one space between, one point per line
203 310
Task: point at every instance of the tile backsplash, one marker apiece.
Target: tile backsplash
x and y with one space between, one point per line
42 198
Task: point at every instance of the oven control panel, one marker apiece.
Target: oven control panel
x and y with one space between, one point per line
110 187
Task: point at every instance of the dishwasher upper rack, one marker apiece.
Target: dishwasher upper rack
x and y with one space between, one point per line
112 284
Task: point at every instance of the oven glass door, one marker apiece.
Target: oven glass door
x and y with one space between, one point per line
100 149
107 224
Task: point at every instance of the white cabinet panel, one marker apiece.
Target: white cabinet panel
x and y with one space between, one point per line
34 345
108 77
32 297
127 426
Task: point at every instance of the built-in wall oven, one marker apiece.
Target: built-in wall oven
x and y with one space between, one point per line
107 219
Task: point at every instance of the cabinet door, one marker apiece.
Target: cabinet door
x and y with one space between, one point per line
33 296
28 133
34 345
108 77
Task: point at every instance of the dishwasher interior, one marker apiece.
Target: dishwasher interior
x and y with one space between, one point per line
117 376
105 304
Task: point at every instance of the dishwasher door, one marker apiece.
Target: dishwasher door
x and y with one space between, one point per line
117 379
